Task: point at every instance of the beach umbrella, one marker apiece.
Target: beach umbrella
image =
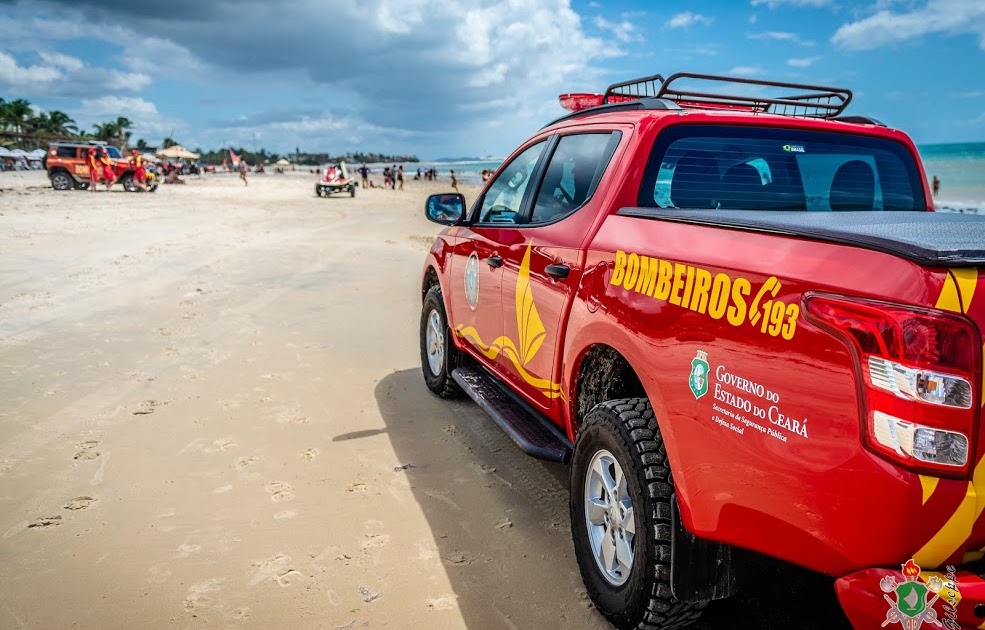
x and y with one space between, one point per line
36 154
4 152
282 162
178 151
18 153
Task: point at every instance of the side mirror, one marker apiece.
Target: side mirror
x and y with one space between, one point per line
446 209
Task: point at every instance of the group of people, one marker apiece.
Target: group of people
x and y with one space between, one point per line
103 168
393 177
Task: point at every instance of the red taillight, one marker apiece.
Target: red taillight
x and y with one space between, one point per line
920 371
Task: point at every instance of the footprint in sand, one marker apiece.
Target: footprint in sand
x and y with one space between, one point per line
246 461
198 598
147 407
186 550
87 450
309 454
278 568
45 522
79 503
280 491
240 614
221 445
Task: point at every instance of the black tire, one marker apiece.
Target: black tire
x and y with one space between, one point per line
61 180
441 383
318 190
628 429
352 191
128 183
81 185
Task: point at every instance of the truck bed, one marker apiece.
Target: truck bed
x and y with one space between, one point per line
928 238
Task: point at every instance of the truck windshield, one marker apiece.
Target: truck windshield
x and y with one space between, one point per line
113 152
756 168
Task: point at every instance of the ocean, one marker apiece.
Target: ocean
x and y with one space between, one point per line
961 169
959 166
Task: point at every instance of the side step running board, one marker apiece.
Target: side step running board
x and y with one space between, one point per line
533 433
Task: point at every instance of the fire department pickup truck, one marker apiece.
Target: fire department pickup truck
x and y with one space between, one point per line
733 310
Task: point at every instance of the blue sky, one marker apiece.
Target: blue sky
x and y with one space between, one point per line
442 78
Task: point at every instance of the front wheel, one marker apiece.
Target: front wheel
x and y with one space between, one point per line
621 493
438 355
129 184
62 181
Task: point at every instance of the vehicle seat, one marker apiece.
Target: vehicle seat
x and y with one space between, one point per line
853 187
742 187
695 181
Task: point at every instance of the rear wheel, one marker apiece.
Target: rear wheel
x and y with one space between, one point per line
438 354
621 493
61 180
352 190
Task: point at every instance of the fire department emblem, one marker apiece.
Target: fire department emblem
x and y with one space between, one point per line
472 280
914 600
698 381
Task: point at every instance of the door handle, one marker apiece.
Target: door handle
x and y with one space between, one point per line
494 261
557 271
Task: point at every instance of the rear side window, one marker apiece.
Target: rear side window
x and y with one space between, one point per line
66 152
573 173
753 168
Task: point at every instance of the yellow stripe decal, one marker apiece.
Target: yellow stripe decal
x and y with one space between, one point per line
949 299
929 484
967 282
952 535
926 576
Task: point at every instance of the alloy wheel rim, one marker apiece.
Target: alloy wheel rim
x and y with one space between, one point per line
435 341
610 518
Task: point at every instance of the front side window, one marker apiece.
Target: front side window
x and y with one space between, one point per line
113 152
504 198
752 168
572 174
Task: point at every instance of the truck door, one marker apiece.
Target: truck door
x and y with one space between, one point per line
543 261
477 274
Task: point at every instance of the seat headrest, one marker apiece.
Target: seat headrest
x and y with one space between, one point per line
695 181
853 187
742 187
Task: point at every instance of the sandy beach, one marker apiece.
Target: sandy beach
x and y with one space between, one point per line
213 417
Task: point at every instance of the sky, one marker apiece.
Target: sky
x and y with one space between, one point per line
457 78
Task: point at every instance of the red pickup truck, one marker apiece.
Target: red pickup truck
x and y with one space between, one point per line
731 308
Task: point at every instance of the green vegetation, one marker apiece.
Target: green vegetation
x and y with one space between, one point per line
21 127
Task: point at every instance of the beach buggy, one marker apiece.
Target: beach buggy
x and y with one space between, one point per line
733 311
336 180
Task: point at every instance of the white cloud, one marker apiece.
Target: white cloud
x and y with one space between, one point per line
938 16
803 62
63 75
147 121
23 78
794 3
624 30
780 36
687 19
746 71
59 60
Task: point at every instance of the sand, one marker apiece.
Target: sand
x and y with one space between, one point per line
212 415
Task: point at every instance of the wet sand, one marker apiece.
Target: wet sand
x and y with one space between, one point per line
212 415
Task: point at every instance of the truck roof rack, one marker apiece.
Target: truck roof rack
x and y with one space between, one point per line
809 101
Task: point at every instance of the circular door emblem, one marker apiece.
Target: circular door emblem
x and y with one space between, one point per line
472 280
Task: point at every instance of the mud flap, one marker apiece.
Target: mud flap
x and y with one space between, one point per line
700 570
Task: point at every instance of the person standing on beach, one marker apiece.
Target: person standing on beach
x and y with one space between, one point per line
364 172
139 172
454 182
109 168
243 168
95 169
936 185
400 176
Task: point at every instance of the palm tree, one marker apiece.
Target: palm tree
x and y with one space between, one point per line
60 123
123 125
17 114
168 142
